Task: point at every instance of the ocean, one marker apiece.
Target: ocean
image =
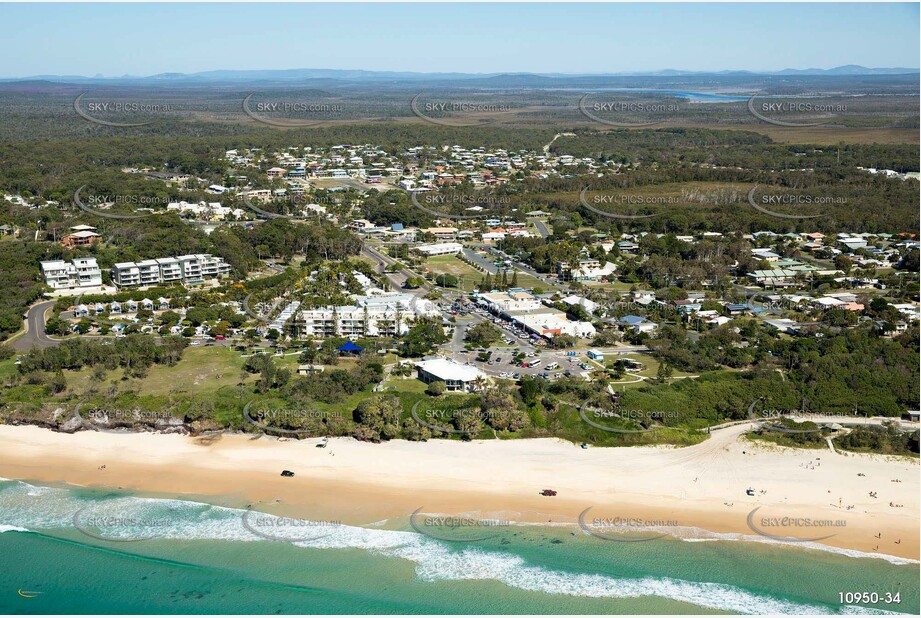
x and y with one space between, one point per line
69 550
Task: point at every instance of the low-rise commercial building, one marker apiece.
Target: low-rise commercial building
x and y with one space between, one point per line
456 377
528 312
443 248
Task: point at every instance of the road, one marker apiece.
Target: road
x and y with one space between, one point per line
396 279
35 336
481 261
520 266
547 146
542 228
489 263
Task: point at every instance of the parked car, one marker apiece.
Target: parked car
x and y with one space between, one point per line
287 473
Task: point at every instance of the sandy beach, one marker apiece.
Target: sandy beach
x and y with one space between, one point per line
703 486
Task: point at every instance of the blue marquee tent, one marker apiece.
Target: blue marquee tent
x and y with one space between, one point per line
348 346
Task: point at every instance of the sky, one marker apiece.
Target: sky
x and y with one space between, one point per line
146 39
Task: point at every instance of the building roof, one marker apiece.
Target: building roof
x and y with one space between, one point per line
778 273
445 369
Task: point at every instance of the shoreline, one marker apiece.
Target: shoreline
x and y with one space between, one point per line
699 487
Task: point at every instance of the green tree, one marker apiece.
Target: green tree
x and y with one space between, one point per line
435 389
483 335
381 415
422 337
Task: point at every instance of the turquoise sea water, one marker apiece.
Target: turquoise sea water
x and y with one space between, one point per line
177 556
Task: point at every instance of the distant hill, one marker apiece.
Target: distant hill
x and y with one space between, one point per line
505 79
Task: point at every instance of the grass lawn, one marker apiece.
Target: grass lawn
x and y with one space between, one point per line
451 265
616 286
202 370
650 368
529 282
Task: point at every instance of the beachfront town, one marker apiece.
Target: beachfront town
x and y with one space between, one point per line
591 299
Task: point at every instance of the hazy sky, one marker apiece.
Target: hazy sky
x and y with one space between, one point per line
145 39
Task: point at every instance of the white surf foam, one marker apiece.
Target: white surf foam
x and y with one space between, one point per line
434 561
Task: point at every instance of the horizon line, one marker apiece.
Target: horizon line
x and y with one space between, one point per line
640 73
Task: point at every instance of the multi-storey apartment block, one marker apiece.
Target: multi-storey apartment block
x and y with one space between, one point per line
80 273
185 268
371 316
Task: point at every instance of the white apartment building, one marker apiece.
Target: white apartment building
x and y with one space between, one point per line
184 268
385 315
79 273
585 270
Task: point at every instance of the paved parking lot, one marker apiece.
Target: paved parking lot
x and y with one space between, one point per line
501 360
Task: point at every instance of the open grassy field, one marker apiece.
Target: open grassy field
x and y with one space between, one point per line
650 368
451 265
828 136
